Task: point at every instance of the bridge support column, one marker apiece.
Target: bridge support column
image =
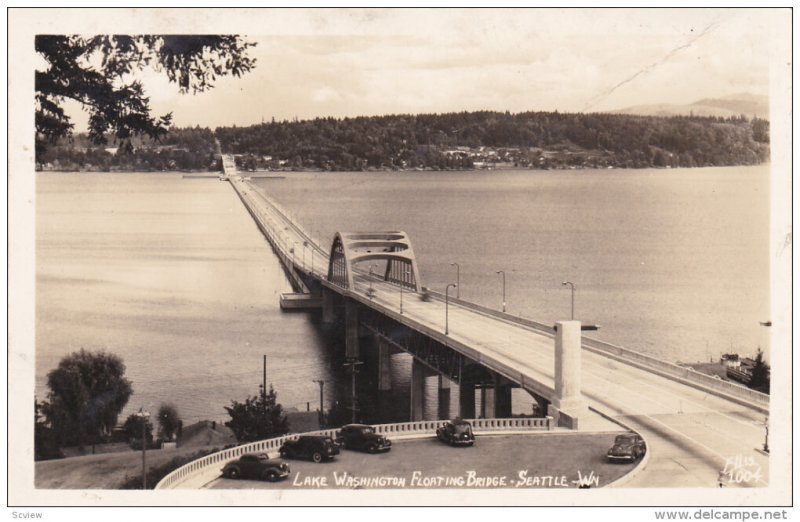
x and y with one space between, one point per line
541 406
466 400
351 329
384 364
487 403
568 404
328 306
502 400
417 390
444 398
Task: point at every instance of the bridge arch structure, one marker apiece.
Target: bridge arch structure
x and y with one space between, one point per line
392 250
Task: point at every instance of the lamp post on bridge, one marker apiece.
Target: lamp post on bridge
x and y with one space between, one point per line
458 279
305 245
503 273
371 291
293 250
402 282
447 308
572 301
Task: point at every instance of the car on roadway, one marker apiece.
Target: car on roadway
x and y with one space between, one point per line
314 447
361 437
256 466
627 447
456 433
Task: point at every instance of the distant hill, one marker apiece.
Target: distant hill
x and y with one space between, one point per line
734 105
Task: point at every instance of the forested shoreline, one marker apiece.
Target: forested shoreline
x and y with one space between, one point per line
455 141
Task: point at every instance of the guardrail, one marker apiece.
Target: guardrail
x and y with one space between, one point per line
689 375
398 430
628 356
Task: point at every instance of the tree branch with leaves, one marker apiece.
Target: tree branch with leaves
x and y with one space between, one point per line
99 73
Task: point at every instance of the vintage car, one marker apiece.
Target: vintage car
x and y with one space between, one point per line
456 433
628 446
314 447
256 466
362 438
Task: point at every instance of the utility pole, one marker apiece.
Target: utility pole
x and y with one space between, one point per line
144 416
321 403
264 379
352 363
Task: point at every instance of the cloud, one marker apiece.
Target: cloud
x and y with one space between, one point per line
343 62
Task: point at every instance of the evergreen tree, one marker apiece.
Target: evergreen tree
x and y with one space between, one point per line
759 379
258 417
168 420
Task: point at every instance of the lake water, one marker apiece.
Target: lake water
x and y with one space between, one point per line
172 275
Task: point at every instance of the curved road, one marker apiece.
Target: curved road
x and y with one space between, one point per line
496 461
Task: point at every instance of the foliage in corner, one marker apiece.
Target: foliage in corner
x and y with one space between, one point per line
760 374
97 73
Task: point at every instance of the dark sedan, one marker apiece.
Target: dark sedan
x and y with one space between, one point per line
627 447
314 447
361 437
256 466
456 433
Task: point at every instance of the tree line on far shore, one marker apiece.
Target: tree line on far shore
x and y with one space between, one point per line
456 141
124 134
529 140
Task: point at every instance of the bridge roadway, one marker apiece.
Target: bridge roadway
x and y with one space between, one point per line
691 433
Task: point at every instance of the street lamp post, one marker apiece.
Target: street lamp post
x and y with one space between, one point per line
144 415
447 308
572 300
353 363
766 435
458 279
371 292
502 272
402 282
321 404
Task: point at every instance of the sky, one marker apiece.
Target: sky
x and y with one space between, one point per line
352 62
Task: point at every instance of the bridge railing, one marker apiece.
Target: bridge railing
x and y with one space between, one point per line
675 370
312 243
626 355
208 463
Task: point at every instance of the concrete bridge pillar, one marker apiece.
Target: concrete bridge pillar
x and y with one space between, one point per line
351 329
444 397
568 404
384 364
328 306
466 400
487 403
502 399
417 390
